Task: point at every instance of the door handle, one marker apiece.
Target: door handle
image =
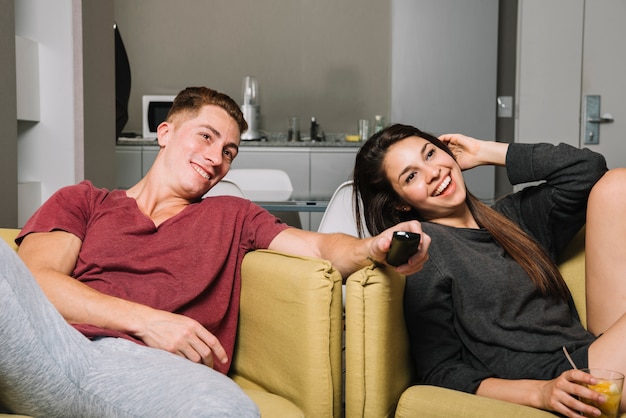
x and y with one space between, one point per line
593 119
606 118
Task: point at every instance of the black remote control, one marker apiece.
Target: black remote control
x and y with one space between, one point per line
403 246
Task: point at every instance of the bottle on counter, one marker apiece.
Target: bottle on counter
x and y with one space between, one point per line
314 127
293 134
379 125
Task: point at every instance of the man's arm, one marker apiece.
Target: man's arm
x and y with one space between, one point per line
348 253
51 258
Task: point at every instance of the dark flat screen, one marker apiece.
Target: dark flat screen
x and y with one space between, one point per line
157 112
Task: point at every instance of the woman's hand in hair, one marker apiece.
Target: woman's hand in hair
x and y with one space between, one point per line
466 149
471 152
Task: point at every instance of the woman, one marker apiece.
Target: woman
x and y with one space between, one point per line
490 313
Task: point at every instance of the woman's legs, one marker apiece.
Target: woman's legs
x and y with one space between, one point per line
605 258
47 368
605 251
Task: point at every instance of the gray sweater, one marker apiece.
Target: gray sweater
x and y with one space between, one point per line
473 312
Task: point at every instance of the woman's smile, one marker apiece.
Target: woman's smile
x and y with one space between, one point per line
443 186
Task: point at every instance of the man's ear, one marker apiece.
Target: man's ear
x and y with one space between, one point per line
164 131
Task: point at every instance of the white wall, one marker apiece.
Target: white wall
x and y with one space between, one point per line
549 71
322 58
46 150
444 71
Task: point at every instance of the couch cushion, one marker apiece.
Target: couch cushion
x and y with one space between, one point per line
273 405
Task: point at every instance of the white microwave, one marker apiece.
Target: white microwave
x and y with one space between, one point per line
155 109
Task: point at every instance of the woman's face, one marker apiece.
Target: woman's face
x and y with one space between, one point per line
426 178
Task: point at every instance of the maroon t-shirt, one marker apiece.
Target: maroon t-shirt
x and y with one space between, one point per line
190 264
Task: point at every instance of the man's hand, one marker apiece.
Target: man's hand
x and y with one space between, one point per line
380 246
182 336
51 257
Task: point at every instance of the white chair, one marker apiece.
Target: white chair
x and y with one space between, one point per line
262 184
225 187
339 216
266 185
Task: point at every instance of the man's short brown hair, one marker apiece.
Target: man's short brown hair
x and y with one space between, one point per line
192 99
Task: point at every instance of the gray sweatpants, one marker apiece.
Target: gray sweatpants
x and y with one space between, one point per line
47 368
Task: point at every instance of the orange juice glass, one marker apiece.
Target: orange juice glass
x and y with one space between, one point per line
610 384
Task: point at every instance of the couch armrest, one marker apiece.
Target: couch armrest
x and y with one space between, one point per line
290 328
437 402
8 235
378 365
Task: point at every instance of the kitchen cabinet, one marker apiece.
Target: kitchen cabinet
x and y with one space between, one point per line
295 162
148 155
128 165
329 168
133 162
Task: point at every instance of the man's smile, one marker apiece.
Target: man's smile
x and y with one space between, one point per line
201 171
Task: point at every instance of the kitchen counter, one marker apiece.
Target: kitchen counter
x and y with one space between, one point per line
274 140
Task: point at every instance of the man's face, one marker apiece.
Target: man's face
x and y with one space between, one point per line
198 150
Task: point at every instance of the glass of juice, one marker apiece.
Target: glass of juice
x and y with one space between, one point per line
610 384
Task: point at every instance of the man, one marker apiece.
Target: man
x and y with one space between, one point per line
160 266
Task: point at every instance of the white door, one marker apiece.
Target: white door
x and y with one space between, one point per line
603 74
568 50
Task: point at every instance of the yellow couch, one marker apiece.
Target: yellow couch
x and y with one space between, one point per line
378 364
288 352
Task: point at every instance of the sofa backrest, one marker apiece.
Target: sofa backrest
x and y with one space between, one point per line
572 267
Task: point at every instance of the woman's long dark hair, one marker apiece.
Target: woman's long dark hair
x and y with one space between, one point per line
375 196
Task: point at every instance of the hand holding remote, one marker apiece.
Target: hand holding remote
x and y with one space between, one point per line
403 246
